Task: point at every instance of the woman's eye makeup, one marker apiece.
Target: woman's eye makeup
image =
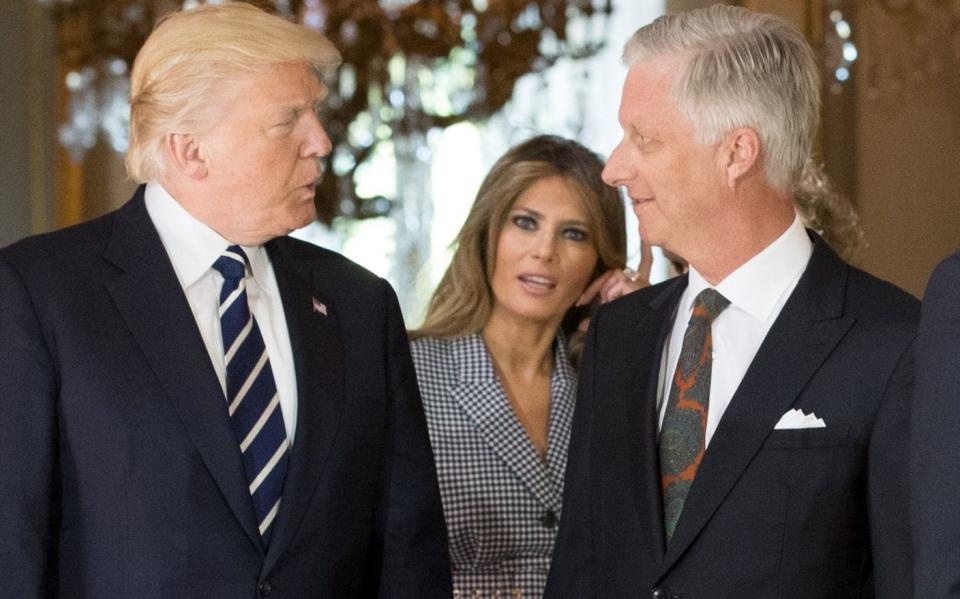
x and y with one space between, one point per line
530 223
575 234
525 222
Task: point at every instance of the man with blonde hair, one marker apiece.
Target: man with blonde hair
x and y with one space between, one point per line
194 404
740 430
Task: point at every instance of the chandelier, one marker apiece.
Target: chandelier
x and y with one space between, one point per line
409 66
912 47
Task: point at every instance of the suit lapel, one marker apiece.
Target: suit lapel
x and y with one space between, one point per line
172 344
808 328
563 398
318 361
653 330
481 396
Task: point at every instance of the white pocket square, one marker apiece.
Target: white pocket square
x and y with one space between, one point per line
794 419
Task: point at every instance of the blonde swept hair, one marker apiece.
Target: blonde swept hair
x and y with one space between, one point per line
742 69
828 212
191 55
463 300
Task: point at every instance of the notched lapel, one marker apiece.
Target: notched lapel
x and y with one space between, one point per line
648 336
807 330
172 344
480 395
318 361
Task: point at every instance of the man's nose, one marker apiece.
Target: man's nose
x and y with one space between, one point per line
614 172
318 142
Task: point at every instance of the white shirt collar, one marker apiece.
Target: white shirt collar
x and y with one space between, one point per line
757 286
193 247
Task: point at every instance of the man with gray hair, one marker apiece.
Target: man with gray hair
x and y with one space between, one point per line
194 404
739 430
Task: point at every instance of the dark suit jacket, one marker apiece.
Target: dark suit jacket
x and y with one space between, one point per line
814 513
121 477
935 440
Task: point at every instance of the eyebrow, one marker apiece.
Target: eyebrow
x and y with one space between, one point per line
295 109
285 113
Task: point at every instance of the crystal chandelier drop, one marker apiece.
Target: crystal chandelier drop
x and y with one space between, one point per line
903 49
840 48
97 42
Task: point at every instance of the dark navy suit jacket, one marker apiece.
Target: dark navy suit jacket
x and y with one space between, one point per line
935 441
810 513
119 474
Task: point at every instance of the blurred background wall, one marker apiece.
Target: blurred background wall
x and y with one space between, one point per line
27 114
890 139
891 136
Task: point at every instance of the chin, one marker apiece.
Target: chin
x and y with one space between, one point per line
310 212
650 237
303 218
543 316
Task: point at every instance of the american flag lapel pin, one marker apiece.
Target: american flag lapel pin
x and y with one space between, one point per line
319 307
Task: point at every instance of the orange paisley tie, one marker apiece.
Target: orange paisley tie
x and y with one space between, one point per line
683 433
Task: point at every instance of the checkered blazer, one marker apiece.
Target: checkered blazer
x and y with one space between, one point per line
501 502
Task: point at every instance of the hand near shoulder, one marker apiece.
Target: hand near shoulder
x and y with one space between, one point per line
616 283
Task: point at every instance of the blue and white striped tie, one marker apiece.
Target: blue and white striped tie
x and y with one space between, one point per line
253 403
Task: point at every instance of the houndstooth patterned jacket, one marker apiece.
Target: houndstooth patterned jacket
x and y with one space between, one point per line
501 502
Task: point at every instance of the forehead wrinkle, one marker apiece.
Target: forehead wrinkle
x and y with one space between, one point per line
305 89
652 89
296 107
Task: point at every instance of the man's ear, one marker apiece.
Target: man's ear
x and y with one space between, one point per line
183 150
741 154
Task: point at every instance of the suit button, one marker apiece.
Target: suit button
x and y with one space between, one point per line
658 593
549 519
265 588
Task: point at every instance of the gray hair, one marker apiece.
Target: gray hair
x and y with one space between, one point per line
743 69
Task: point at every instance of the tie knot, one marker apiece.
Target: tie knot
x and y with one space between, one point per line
232 264
709 304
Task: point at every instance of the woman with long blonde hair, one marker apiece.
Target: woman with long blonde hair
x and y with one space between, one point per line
493 357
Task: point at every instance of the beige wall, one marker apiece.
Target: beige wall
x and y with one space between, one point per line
35 193
106 185
795 11
908 170
904 164
27 173
904 152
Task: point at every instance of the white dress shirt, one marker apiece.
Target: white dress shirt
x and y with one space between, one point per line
757 291
193 247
